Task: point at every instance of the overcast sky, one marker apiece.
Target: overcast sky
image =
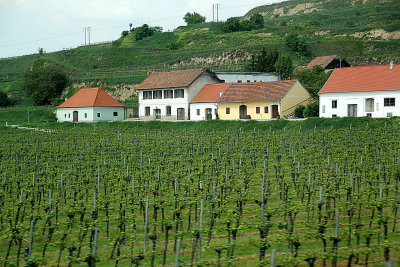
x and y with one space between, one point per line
26 25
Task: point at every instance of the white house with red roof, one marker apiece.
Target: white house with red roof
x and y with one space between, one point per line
368 91
204 106
167 95
91 105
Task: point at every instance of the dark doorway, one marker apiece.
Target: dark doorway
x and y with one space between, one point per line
243 112
208 113
180 114
75 116
275 112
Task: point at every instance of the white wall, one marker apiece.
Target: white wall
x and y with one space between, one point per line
202 108
234 77
358 98
106 114
175 103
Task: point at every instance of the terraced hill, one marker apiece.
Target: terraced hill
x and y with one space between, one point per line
363 31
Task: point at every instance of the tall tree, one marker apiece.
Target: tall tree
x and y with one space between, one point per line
193 18
284 67
44 84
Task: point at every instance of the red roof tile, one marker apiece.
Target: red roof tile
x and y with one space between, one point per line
325 61
363 79
210 93
90 97
257 91
171 79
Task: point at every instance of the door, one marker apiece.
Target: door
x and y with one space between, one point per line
157 114
75 116
275 112
243 112
180 114
208 114
352 110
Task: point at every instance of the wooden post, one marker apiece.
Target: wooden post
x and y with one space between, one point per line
273 256
145 224
30 239
178 252
201 227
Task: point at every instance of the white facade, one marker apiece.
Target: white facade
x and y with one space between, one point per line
91 114
161 106
376 104
199 111
245 77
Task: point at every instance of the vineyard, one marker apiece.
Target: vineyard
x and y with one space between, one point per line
128 195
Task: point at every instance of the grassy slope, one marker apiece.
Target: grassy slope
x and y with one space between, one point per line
129 61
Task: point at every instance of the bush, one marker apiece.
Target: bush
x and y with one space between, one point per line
298 112
311 110
4 100
194 18
232 25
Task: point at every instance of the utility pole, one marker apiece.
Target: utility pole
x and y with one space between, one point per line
215 7
84 30
88 30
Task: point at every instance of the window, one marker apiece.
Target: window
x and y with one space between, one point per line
216 112
258 110
369 105
334 103
265 109
98 114
115 113
147 111
228 110
147 95
69 115
248 81
157 94
198 112
389 102
179 93
323 108
65 115
389 114
222 81
168 110
85 115
239 81
168 94
369 115
334 115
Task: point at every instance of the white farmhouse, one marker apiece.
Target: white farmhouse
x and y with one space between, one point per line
246 77
166 95
204 106
372 91
90 105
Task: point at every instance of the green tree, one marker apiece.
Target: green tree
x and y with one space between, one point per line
143 32
257 20
296 44
124 33
263 61
284 67
311 110
232 25
193 18
4 100
44 84
298 112
313 79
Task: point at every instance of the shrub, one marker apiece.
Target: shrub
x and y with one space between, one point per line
298 112
311 110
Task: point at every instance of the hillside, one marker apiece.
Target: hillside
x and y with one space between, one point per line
362 31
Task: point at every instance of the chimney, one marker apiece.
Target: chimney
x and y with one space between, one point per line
391 65
220 94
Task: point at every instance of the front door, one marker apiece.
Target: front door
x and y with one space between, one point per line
352 110
180 114
157 114
243 112
208 114
275 112
75 116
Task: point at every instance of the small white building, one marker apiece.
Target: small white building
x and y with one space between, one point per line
372 91
91 105
246 77
204 106
167 95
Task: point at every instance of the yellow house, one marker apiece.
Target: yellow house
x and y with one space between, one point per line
262 100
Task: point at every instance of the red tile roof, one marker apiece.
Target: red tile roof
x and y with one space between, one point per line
323 61
363 79
90 97
210 93
257 91
171 79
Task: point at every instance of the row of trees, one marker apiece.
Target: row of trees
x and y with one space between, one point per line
255 22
